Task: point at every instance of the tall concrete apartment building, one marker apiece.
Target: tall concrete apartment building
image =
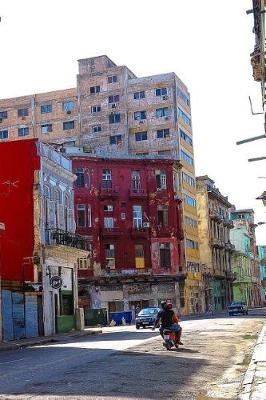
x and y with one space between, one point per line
112 110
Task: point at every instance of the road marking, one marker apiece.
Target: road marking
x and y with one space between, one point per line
8 362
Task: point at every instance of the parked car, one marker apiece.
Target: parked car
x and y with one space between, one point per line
238 307
147 317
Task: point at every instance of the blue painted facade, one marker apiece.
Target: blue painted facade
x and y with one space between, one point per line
20 315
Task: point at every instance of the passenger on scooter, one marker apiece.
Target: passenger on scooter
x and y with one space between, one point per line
168 320
175 327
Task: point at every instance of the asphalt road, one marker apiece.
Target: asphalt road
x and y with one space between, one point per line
125 364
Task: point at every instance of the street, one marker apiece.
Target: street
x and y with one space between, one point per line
123 363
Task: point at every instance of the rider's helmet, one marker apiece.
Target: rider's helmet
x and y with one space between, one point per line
164 304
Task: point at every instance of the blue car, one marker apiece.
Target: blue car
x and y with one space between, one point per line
238 307
147 317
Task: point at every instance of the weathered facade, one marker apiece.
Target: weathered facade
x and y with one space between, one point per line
245 220
262 259
241 263
36 205
113 111
215 246
130 209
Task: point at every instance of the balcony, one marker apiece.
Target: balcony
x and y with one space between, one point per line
227 222
137 193
140 232
127 272
108 192
215 215
229 246
60 237
218 273
111 232
230 276
215 242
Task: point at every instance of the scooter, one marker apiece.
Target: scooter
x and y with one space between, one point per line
169 339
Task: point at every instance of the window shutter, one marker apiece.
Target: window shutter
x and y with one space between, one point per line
61 216
51 214
70 220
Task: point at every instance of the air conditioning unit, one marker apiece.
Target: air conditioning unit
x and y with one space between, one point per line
1 120
166 118
114 105
23 118
141 122
68 112
146 224
164 97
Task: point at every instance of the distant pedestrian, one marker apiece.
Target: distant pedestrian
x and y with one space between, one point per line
137 310
210 309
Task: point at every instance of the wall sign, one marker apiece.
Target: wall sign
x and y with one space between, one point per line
56 282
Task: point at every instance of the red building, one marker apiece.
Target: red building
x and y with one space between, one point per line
38 244
131 210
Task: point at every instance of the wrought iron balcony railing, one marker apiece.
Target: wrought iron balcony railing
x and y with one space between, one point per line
60 237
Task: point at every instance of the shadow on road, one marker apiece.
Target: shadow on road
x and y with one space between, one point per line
98 374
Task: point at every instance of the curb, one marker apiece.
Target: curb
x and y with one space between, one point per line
247 383
50 339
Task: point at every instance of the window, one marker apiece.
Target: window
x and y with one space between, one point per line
191 222
114 118
161 92
162 215
139 250
135 179
123 215
108 222
116 139
165 256
4 134
185 137
160 177
106 179
46 128
184 116
23 131
95 109
188 179
139 95
137 217
139 136
96 128
112 79
68 125
162 112
46 108
140 115
83 263
113 99
163 134
190 201
139 256
89 216
183 97
191 244
108 207
95 89
23 112
68 105
3 114
186 157
110 255
80 182
81 215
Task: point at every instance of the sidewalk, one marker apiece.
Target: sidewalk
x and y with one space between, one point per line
254 383
18 344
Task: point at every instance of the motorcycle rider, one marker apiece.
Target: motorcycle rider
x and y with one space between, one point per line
168 320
